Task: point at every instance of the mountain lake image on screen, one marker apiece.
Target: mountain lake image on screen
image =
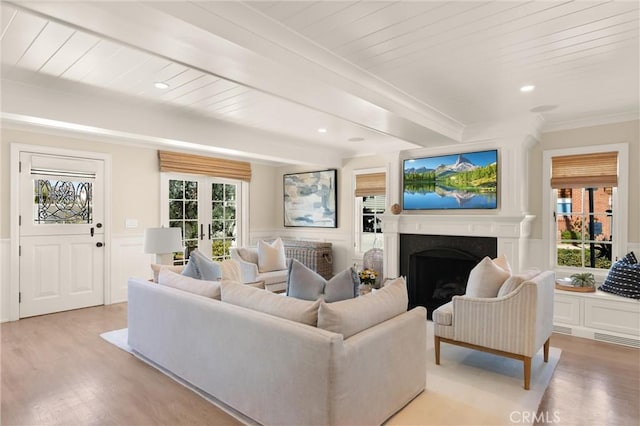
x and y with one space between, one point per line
456 181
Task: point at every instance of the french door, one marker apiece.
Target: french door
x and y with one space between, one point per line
61 224
207 211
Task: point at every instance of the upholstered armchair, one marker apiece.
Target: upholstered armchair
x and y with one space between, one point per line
515 324
247 259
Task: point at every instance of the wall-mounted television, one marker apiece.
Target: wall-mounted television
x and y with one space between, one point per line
457 181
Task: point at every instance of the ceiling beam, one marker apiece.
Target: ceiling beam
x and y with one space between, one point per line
235 42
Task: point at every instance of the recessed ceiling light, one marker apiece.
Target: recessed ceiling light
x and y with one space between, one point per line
322 130
527 88
160 85
544 108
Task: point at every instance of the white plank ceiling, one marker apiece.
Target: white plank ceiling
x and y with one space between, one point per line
396 74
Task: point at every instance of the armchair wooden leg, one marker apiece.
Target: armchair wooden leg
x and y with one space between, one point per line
436 346
546 349
527 372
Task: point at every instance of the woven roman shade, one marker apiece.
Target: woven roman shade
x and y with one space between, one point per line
371 184
200 165
587 170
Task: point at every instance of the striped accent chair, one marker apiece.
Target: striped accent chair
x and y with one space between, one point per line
515 325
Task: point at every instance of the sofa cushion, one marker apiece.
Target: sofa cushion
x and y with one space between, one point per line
303 283
514 281
444 314
485 279
302 311
155 267
349 317
192 285
623 278
271 257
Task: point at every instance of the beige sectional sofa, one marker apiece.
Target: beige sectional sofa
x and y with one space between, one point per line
277 371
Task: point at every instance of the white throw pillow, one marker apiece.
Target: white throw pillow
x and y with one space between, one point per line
302 311
349 317
156 269
271 257
502 262
485 279
182 282
514 281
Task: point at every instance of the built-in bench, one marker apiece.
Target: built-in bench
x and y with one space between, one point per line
598 316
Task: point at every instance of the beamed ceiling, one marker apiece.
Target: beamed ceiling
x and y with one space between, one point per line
258 79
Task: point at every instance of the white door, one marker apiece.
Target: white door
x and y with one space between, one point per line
206 209
62 252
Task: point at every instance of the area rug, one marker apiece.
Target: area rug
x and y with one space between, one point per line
476 388
467 388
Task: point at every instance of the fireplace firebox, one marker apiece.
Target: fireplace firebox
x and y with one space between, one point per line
437 267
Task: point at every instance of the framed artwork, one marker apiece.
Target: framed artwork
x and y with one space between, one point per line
310 199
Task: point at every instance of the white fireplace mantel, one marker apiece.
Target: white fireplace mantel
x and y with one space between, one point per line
511 231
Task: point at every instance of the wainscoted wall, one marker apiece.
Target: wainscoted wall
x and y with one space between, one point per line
127 260
5 277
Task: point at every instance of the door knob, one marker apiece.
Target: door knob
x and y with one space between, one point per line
99 244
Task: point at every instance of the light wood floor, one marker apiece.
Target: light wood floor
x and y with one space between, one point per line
57 370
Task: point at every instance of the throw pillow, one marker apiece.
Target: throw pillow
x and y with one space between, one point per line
349 317
502 262
209 270
485 279
629 258
271 257
303 311
192 285
514 281
201 267
623 278
156 269
342 286
303 283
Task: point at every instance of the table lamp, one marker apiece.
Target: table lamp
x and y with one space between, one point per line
163 242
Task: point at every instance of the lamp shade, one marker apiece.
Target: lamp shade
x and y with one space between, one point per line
162 240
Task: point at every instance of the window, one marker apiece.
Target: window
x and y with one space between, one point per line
206 210
588 221
584 231
370 203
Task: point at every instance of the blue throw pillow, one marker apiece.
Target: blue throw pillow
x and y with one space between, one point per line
201 267
304 283
623 278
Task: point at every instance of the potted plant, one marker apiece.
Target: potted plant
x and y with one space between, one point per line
584 279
